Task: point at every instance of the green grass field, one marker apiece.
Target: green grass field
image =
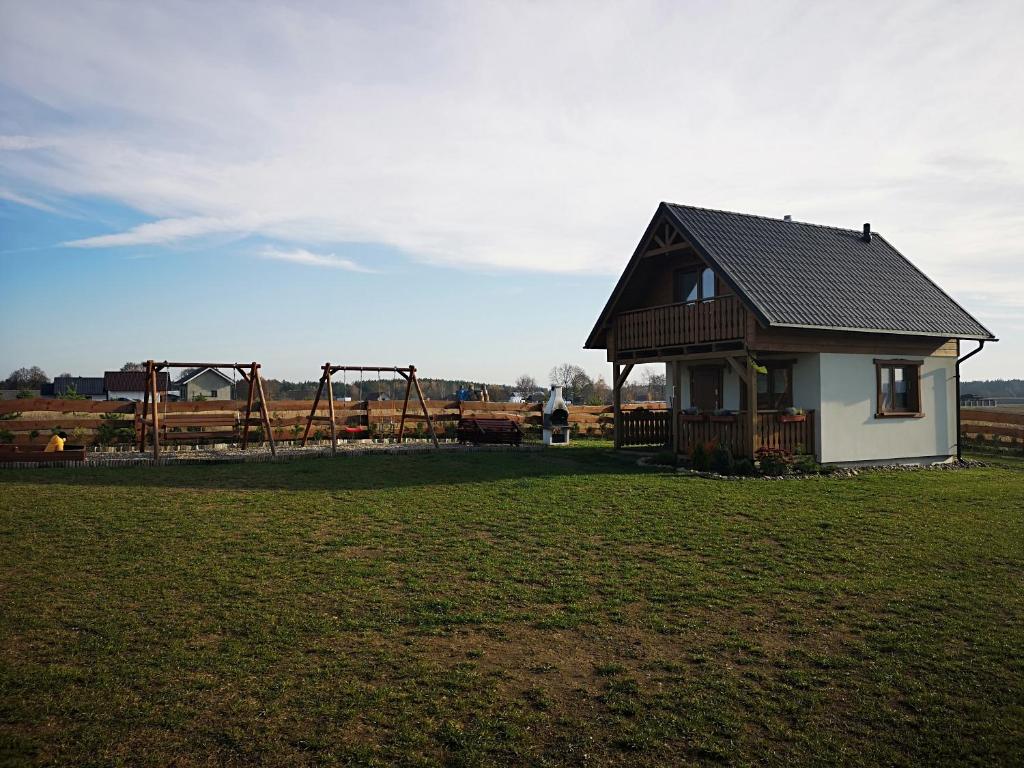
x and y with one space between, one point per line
555 608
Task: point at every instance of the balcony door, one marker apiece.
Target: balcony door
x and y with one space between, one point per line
706 387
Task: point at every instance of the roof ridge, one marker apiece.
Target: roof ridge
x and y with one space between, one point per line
767 218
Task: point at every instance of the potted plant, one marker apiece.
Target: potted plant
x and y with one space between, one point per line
792 414
691 414
722 415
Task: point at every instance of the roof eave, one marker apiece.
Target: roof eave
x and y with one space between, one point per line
609 305
936 334
201 372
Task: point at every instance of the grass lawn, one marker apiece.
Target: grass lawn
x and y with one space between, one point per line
563 607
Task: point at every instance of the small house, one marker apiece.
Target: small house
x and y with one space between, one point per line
89 387
205 384
131 385
777 334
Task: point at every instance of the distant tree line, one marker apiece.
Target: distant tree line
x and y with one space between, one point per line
993 388
26 378
390 387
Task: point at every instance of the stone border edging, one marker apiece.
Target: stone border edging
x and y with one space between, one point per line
837 473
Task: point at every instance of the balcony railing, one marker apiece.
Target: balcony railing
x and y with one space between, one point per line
675 325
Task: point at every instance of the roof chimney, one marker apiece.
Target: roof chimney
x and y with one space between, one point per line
866 237
787 217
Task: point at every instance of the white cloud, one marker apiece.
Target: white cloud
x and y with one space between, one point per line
306 258
14 197
17 143
167 231
516 135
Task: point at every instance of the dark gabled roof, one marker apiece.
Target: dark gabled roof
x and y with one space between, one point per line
83 385
190 373
133 381
798 275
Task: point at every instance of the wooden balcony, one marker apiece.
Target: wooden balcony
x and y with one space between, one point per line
678 325
774 430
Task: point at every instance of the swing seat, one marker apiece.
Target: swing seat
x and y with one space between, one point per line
356 430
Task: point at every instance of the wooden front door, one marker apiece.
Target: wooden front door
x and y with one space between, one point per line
706 387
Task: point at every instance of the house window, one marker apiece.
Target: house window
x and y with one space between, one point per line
693 285
774 389
898 385
213 393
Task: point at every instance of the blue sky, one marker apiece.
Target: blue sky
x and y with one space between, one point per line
223 300
458 185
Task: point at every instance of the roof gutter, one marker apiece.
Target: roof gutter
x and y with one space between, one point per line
972 353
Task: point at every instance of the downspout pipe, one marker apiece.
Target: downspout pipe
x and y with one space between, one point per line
972 353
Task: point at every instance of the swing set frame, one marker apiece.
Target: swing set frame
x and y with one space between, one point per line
408 373
250 373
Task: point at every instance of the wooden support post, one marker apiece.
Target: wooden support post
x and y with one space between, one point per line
751 383
671 374
330 411
426 413
616 405
618 379
628 369
677 401
405 405
145 408
264 411
248 404
156 412
316 401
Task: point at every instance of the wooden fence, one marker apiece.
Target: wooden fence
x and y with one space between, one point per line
993 425
641 426
33 421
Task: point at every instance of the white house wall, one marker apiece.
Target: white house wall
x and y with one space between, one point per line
210 385
848 429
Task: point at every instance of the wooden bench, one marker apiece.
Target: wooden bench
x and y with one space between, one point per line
492 431
20 453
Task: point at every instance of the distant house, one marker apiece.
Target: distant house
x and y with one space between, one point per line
777 334
208 383
91 387
131 385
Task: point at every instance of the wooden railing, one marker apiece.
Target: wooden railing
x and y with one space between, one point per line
643 427
672 325
792 434
728 432
785 433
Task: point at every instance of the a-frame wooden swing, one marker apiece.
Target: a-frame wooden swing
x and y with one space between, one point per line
408 373
250 373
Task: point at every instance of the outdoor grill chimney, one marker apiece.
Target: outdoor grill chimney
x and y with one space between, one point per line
866 237
787 217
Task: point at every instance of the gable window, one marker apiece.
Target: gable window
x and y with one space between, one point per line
693 285
213 393
898 385
774 389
